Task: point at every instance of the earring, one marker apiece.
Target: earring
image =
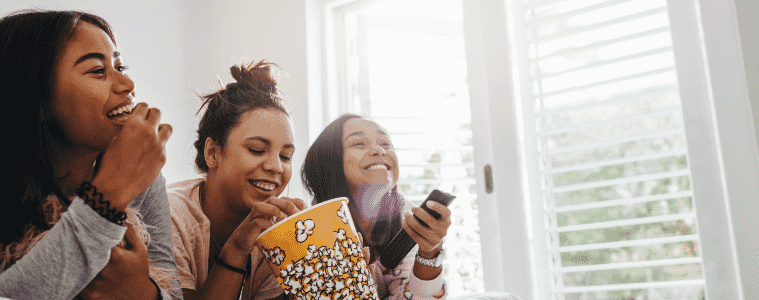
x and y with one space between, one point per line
212 163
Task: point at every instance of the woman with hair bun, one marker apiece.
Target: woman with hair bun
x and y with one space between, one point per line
244 148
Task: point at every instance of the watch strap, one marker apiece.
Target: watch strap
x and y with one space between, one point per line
434 262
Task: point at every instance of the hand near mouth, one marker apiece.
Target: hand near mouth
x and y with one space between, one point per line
134 157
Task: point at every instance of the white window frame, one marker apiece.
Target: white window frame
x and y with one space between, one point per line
722 144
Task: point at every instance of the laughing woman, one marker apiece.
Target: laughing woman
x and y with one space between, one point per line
354 157
244 149
81 157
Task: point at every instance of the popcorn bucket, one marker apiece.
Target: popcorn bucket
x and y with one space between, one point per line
316 254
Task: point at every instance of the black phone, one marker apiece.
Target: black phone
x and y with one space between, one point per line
400 245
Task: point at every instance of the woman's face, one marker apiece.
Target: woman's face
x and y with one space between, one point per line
91 91
368 155
256 162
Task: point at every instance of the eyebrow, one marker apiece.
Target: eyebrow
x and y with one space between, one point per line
95 55
356 133
267 142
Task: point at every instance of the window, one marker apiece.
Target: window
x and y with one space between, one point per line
609 111
406 69
600 84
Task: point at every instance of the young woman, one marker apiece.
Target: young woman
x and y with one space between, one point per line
244 148
82 154
354 157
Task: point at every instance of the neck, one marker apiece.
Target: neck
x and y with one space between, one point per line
224 219
73 166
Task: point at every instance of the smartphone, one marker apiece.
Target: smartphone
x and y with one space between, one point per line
400 245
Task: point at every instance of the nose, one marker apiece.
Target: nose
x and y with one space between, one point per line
377 150
273 164
122 84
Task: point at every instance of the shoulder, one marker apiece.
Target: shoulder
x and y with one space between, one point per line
184 201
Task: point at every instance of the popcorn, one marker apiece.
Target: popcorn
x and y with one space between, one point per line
337 273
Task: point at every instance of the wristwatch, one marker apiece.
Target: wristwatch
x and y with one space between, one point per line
434 262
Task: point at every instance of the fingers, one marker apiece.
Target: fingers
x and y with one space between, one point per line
427 218
164 132
445 212
139 111
287 205
265 209
153 116
130 237
427 238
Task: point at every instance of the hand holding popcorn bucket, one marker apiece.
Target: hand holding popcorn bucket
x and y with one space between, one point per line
316 254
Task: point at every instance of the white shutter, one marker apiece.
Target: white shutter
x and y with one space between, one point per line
600 87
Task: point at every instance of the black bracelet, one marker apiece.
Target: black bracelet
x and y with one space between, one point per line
89 193
226 265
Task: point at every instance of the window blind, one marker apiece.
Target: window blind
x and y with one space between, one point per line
608 131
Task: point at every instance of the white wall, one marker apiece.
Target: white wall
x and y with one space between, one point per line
748 26
176 49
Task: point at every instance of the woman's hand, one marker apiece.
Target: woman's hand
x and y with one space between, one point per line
127 274
429 239
263 215
134 158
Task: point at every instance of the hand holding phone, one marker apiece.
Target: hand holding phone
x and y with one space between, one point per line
400 245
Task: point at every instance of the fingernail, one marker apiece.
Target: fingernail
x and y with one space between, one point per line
431 204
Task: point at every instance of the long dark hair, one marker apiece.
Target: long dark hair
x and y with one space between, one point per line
31 43
255 88
322 171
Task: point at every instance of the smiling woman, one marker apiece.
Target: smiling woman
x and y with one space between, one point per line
245 148
84 167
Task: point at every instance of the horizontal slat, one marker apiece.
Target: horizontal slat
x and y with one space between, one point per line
436 181
609 81
612 142
617 161
534 4
436 131
627 222
625 201
631 286
566 15
603 43
594 26
612 121
595 184
649 92
437 148
605 62
437 165
633 243
632 264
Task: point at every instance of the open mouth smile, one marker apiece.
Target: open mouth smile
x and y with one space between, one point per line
264 185
378 167
120 113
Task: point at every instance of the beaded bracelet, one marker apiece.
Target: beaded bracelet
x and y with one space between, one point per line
228 266
89 193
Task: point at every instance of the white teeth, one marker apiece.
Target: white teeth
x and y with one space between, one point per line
120 110
377 167
264 185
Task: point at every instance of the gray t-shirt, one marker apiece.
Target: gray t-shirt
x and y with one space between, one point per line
76 248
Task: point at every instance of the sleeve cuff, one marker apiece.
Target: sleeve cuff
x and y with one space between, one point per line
429 289
92 218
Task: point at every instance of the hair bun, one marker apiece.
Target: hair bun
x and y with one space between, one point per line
254 76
